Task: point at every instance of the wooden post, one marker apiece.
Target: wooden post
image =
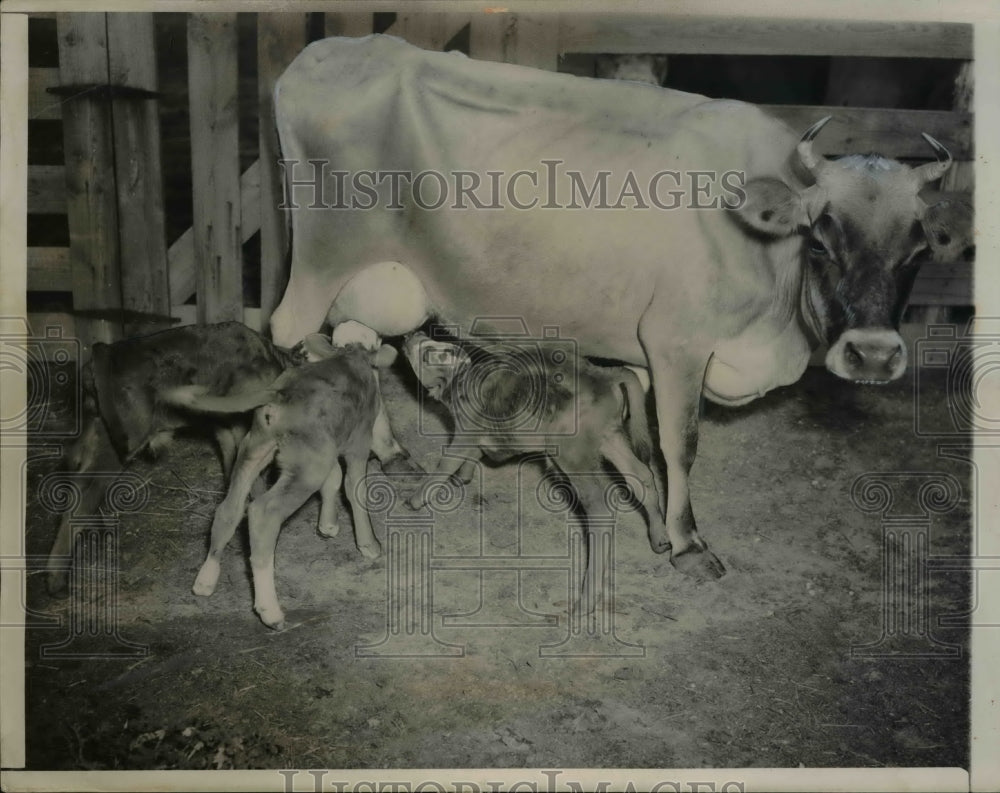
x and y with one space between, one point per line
526 39
430 30
958 178
280 37
141 226
336 24
215 165
91 204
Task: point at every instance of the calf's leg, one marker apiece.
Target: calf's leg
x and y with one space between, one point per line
265 516
617 451
364 536
329 500
450 464
255 452
93 457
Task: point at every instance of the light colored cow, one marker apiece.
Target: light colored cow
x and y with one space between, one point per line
725 294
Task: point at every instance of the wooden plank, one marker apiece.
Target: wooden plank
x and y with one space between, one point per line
41 104
183 279
961 176
526 39
648 33
46 190
894 133
141 223
943 285
430 30
213 92
356 24
38 321
91 207
49 270
280 37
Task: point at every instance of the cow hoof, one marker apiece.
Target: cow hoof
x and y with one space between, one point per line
57 585
372 550
402 464
660 544
698 563
332 530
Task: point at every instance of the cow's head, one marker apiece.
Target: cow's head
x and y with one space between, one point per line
865 232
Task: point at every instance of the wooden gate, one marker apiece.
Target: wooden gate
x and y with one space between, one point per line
125 280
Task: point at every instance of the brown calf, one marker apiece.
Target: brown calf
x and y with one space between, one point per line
308 419
604 419
124 413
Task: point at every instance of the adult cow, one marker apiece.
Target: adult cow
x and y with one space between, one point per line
726 303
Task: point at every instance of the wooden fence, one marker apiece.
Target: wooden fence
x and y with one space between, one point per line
117 264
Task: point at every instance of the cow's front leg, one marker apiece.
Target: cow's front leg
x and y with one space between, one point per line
677 384
301 311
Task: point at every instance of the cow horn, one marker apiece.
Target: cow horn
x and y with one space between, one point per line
813 162
933 170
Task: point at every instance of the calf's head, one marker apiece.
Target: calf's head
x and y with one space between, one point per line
435 362
865 232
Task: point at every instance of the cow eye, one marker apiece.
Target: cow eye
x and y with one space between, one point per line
817 248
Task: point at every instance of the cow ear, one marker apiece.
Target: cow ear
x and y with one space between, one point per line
948 226
384 357
769 207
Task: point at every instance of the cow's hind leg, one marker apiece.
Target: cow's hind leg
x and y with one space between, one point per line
265 516
329 501
618 452
254 454
364 536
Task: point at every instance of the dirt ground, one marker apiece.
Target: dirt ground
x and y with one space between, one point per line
755 669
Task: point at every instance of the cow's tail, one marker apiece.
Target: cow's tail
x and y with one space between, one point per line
635 417
197 398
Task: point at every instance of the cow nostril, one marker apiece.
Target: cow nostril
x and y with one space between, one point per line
853 354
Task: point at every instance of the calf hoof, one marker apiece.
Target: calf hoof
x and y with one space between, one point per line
660 544
402 464
372 550
331 530
416 503
202 588
698 563
57 584
273 619
208 577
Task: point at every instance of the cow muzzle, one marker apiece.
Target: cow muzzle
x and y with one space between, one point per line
867 355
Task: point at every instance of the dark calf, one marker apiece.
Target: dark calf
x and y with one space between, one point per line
608 409
305 422
124 413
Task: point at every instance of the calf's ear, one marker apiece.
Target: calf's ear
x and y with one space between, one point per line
769 207
317 347
948 226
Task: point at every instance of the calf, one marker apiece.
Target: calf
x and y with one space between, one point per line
124 413
605 419
310 417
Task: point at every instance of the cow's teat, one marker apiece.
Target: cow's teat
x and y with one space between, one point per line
868 355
